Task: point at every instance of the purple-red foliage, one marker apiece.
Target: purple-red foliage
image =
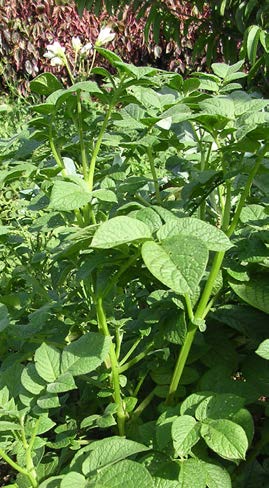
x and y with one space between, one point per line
28 26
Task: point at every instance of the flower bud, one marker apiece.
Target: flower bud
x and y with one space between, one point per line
105 35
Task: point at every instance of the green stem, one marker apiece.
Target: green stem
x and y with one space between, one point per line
101 318
131 350
55 151
79 217
135 360
89 70
227 208
12 463
189 307
123 268
98 143
180 364
67 65
84 159
245 193
30 467
154 176
202 308
137 412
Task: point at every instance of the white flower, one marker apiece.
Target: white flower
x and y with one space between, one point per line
76 44
55 50
56 61
105 35
85 50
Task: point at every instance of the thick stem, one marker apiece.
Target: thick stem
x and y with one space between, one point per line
202 308
154 176
114 367
180 364
30 467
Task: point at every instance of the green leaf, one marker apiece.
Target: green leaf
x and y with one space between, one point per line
254 292
48 401
31 380
73 480
6 425
165 483
67 196
263 349
127 474
217 477
64 382
86 86
252 41
219 406
150 218
4 320
44 424
85 354
220 69
221 106
120 230
185 434
244 418
192 474
105 195
189 405
109 451
45 84
225 438
47 362
109 55
52 482
177 262
213 238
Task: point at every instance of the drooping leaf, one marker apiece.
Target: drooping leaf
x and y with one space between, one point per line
254 292
253 37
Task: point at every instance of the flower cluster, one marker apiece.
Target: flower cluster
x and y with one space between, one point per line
56 53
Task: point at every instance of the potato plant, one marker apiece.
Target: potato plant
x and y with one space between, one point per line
134 285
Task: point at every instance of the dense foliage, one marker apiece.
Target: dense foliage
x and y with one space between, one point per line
134 281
